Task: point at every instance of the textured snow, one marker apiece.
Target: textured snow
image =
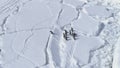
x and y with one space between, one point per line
59 34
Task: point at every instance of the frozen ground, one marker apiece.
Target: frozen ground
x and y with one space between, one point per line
59 33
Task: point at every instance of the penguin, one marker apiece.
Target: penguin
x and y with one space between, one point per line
65 35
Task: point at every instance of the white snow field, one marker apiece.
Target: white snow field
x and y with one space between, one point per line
59 33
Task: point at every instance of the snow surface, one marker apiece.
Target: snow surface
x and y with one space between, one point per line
59 33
